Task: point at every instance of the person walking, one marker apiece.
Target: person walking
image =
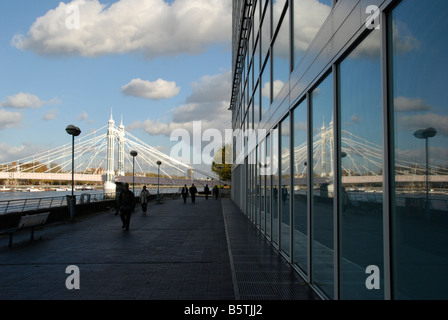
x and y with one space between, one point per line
206 191
193 191
215 191
144 196
126 205
184 193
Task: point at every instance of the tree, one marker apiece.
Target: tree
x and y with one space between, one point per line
219 165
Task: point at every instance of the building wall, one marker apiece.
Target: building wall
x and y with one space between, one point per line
341 151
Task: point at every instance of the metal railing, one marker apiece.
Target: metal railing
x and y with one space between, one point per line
28 204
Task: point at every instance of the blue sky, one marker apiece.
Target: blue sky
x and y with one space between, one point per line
145 60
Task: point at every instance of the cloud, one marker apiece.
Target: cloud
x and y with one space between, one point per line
152 28
9 119
426 120
50 115
355 118
278 85
26 100
12 153
309 15
83 116
208 103
411 104
159 89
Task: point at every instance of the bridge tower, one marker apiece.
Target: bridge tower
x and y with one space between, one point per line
121 139
109 184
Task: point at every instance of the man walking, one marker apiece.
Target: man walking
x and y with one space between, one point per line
193 192
184 193
126 205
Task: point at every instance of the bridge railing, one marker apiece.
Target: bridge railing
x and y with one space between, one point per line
28 204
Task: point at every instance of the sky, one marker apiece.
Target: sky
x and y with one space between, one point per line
157 65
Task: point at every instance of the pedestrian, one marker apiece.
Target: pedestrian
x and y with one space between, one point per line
144 196
126 205
206 191
215 191
184 193
193 191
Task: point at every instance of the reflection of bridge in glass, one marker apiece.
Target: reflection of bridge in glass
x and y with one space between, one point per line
362 162
95 162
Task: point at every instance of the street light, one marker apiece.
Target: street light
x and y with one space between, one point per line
158 175
74 132
133 154
425 134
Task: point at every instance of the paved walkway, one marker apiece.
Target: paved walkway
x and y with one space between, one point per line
203 251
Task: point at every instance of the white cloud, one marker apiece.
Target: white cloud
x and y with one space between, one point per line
50 115
83 116
208 103
150 27
159 89
12 153
411 104
26 100
422 121
9 119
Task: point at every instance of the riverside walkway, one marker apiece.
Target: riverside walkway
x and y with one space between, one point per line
178 251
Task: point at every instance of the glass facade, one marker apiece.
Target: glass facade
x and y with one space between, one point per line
348 176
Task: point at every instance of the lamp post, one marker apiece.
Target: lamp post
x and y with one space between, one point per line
158 175
133 154
74 132
425 134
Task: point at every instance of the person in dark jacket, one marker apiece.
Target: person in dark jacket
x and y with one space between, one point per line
184 193
193 191
126 205
206 191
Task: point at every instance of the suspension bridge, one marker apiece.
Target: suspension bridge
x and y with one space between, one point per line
95 162
361 161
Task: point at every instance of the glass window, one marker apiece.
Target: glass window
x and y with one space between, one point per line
322 210
300 158
265 89
309 15
268 185
278 6
256 61
256 17
266 31
262 166
257 116
275 186
281 57
361 218
285 190
420 153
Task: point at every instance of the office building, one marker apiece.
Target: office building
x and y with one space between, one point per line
340 147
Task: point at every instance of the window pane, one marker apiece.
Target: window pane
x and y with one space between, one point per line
361 168
268 186
309 15
266 89
266 31
285 179
275 186
277 9
300 154
420 105
280 57
322 210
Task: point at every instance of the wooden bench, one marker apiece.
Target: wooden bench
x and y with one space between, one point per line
27 222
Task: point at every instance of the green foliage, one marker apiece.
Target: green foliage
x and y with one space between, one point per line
219 165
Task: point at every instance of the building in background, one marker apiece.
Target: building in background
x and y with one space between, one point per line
340 151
